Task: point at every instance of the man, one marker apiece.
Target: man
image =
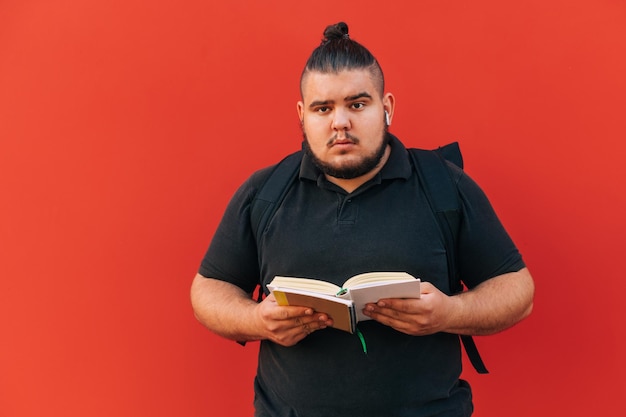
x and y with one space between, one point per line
356 207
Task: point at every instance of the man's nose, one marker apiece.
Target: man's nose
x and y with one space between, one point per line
341 120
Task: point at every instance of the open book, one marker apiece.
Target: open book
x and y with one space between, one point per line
344 304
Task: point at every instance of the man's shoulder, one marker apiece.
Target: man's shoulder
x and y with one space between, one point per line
293 159
258 178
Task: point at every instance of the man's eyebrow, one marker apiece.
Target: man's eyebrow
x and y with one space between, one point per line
358 96
320 103
354 97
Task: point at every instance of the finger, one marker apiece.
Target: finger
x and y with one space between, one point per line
405 305
385 319
389 316
311 324
291 312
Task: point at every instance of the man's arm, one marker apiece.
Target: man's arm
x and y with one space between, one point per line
491 307
228 311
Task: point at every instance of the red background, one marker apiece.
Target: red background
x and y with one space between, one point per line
126 125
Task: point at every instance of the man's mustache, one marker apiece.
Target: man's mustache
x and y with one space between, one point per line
346 135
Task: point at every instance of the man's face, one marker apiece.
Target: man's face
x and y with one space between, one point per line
343 121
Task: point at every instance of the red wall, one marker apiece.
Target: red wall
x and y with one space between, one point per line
125 126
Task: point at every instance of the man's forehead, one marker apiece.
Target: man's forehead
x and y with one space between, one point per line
342 85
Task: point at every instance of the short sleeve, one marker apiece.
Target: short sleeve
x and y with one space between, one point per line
485 248
232 253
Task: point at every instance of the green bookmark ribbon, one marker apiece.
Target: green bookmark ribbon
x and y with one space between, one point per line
362 339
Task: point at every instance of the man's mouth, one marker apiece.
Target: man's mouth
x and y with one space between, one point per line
348 140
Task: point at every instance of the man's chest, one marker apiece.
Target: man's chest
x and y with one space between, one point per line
332 236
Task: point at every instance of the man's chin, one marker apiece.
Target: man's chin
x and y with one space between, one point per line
346 163
346 170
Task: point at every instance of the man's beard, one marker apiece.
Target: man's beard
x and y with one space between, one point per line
350 171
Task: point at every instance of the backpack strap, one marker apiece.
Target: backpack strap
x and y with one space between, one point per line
452 153
443 198
270 196
272 192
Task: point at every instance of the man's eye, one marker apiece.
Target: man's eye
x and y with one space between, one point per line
322 109
358 105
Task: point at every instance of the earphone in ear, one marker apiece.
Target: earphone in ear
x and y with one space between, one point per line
387 118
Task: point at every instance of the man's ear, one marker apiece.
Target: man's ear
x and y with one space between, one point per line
389 104
300 108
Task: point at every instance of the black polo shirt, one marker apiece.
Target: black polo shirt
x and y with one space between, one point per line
322 232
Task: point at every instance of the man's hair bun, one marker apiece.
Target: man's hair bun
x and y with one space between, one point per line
338 52
336 31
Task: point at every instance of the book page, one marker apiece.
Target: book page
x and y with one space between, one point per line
375 277
374 292
308 284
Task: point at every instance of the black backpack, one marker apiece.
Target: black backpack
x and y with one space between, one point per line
435 176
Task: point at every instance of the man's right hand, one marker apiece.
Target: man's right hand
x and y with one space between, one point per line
228 311
287 325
